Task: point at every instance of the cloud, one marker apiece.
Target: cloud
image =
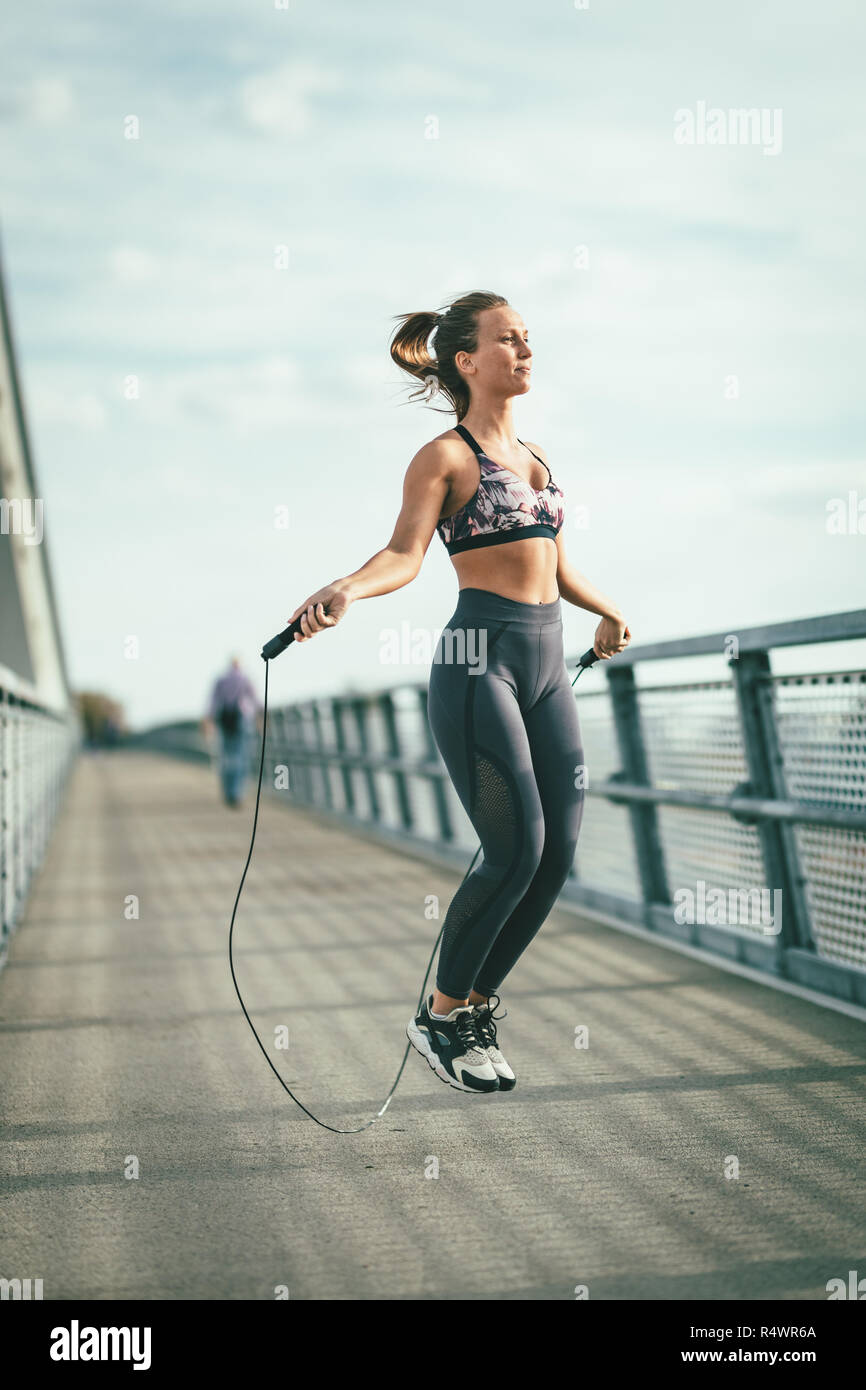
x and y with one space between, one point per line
281 102
80 410
44 100
248 398
134 265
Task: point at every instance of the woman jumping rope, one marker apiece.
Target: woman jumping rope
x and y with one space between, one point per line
499 702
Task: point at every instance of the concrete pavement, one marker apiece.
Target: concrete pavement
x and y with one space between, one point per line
124 1051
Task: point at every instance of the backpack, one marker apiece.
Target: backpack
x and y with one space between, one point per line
229 719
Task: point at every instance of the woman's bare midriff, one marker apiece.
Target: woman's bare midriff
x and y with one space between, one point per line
521 570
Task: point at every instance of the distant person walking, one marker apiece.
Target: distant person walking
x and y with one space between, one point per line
232 711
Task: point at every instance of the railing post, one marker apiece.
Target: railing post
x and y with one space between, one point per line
26 765
297 767
359 710
322 765
751 671
392 733
443 813
282 749
644 820
18 808
338 709
5 821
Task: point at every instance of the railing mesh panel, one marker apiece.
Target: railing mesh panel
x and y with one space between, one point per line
822 732
605 857
37 750
692 737
712 850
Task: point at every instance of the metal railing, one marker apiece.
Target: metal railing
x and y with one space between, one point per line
37 749
708 801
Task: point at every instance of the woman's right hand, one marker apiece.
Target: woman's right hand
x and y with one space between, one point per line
611 636
321 610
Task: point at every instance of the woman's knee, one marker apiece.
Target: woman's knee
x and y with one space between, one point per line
559 852
527 860
513 867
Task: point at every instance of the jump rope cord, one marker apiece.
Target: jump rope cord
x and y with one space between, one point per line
387 1101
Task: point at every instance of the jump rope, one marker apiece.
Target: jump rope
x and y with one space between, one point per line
271 649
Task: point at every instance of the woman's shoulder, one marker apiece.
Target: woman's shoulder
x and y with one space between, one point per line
536 449
449 439
440 454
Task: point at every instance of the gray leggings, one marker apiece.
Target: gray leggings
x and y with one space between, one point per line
503 714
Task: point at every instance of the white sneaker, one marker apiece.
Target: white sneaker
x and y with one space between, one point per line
453 1048
486 1030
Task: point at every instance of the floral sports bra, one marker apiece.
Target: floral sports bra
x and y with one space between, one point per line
504 507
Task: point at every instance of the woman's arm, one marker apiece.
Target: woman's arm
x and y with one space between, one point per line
611 635
575 588
425 487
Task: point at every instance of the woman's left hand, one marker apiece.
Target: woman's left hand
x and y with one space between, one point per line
611 636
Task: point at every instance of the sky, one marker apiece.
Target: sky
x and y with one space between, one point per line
202 312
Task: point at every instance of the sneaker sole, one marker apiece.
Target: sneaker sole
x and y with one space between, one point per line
420 1044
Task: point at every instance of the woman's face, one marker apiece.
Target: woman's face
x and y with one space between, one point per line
500 365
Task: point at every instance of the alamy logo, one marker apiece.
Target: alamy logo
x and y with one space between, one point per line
855 1288
20 1288
736 907
455 647
76 1343
737 126
22 516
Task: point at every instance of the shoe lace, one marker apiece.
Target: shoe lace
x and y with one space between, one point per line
466 1028
484 1021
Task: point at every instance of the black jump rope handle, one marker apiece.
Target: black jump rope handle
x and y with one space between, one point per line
281 641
